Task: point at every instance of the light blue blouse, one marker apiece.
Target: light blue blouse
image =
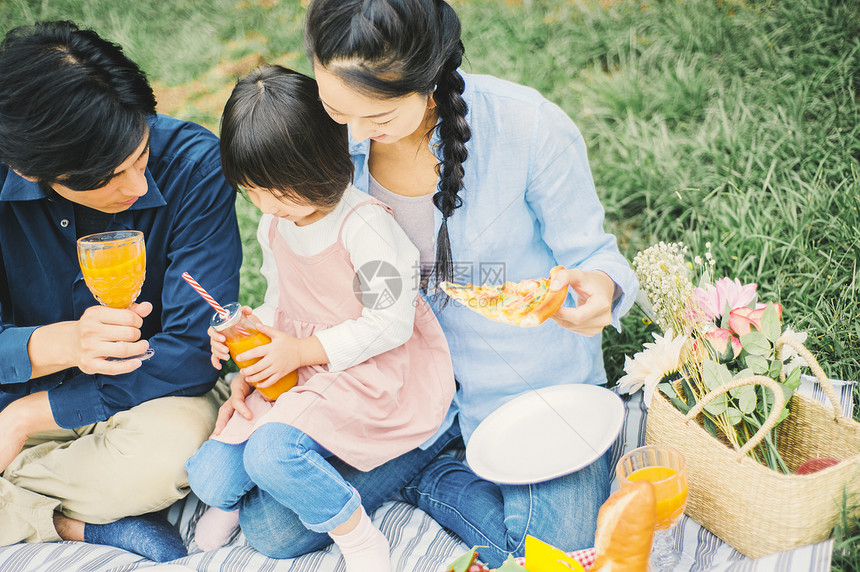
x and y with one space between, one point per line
529 204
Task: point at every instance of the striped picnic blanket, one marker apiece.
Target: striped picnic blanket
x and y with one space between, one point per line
418 544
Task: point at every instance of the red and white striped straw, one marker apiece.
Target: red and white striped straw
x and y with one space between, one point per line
206 296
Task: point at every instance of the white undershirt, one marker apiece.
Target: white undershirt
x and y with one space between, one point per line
370 235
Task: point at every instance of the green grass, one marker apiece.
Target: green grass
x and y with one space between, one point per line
731 122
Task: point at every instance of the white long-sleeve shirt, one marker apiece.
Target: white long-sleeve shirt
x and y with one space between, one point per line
384 258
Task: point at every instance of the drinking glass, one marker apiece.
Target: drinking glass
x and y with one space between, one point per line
113 264
665 468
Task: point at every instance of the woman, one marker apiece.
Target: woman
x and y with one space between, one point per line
491 182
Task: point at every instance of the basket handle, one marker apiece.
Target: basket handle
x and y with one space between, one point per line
770 422
823 380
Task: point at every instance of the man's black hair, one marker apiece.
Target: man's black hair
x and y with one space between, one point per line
73 107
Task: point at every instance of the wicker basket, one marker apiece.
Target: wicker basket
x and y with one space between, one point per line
756 510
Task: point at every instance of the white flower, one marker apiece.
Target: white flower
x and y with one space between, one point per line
652 364
790 357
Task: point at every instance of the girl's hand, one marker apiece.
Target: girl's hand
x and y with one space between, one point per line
220 351
277 358
217 340
595 293
239 391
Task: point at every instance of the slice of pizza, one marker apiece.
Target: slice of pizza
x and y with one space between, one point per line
525 303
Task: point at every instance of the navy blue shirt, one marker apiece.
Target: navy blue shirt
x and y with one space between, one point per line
188 219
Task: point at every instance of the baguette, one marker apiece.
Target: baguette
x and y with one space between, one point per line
625 529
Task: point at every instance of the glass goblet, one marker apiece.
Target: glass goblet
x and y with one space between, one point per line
113 264
665 468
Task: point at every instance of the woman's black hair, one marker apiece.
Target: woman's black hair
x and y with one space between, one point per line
73 107
276 135
394 48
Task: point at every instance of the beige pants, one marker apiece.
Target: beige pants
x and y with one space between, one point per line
133 463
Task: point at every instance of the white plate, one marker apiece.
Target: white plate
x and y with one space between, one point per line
546 433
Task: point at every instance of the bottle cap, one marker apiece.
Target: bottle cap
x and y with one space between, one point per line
220 323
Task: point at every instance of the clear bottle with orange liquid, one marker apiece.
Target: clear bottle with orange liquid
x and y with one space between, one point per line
242 335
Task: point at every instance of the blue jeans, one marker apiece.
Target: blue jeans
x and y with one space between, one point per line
562 511
276 531
283 461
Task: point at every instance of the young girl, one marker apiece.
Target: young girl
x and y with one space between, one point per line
374 373
491 178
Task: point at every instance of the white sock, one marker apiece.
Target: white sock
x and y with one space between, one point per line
364 548
215 527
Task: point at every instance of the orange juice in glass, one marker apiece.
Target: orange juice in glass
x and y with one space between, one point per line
242 335
113 265
671 492
665 468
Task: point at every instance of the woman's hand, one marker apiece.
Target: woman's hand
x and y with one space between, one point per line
595 293
239 391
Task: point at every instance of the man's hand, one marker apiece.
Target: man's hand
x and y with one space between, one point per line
109 332
239 391
595 293
101 332
20 419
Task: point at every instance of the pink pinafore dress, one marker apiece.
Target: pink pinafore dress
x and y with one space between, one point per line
373 411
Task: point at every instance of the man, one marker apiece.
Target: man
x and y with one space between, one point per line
86 442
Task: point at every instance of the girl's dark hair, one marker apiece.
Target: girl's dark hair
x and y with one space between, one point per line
276 135
73 107
394 48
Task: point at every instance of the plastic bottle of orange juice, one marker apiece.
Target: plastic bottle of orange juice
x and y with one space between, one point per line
242 335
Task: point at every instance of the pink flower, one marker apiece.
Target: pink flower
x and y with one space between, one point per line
720 340
725 292
742 319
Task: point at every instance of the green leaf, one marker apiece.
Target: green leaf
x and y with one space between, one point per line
756 344
758 364
775 369
718 406
462 563
740 375
680 405
733 415
715 374
770 325
710 427
688 392
793 379
765 400
724 321
510 565
668 390
746 398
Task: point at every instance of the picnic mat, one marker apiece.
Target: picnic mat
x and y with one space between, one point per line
418 544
